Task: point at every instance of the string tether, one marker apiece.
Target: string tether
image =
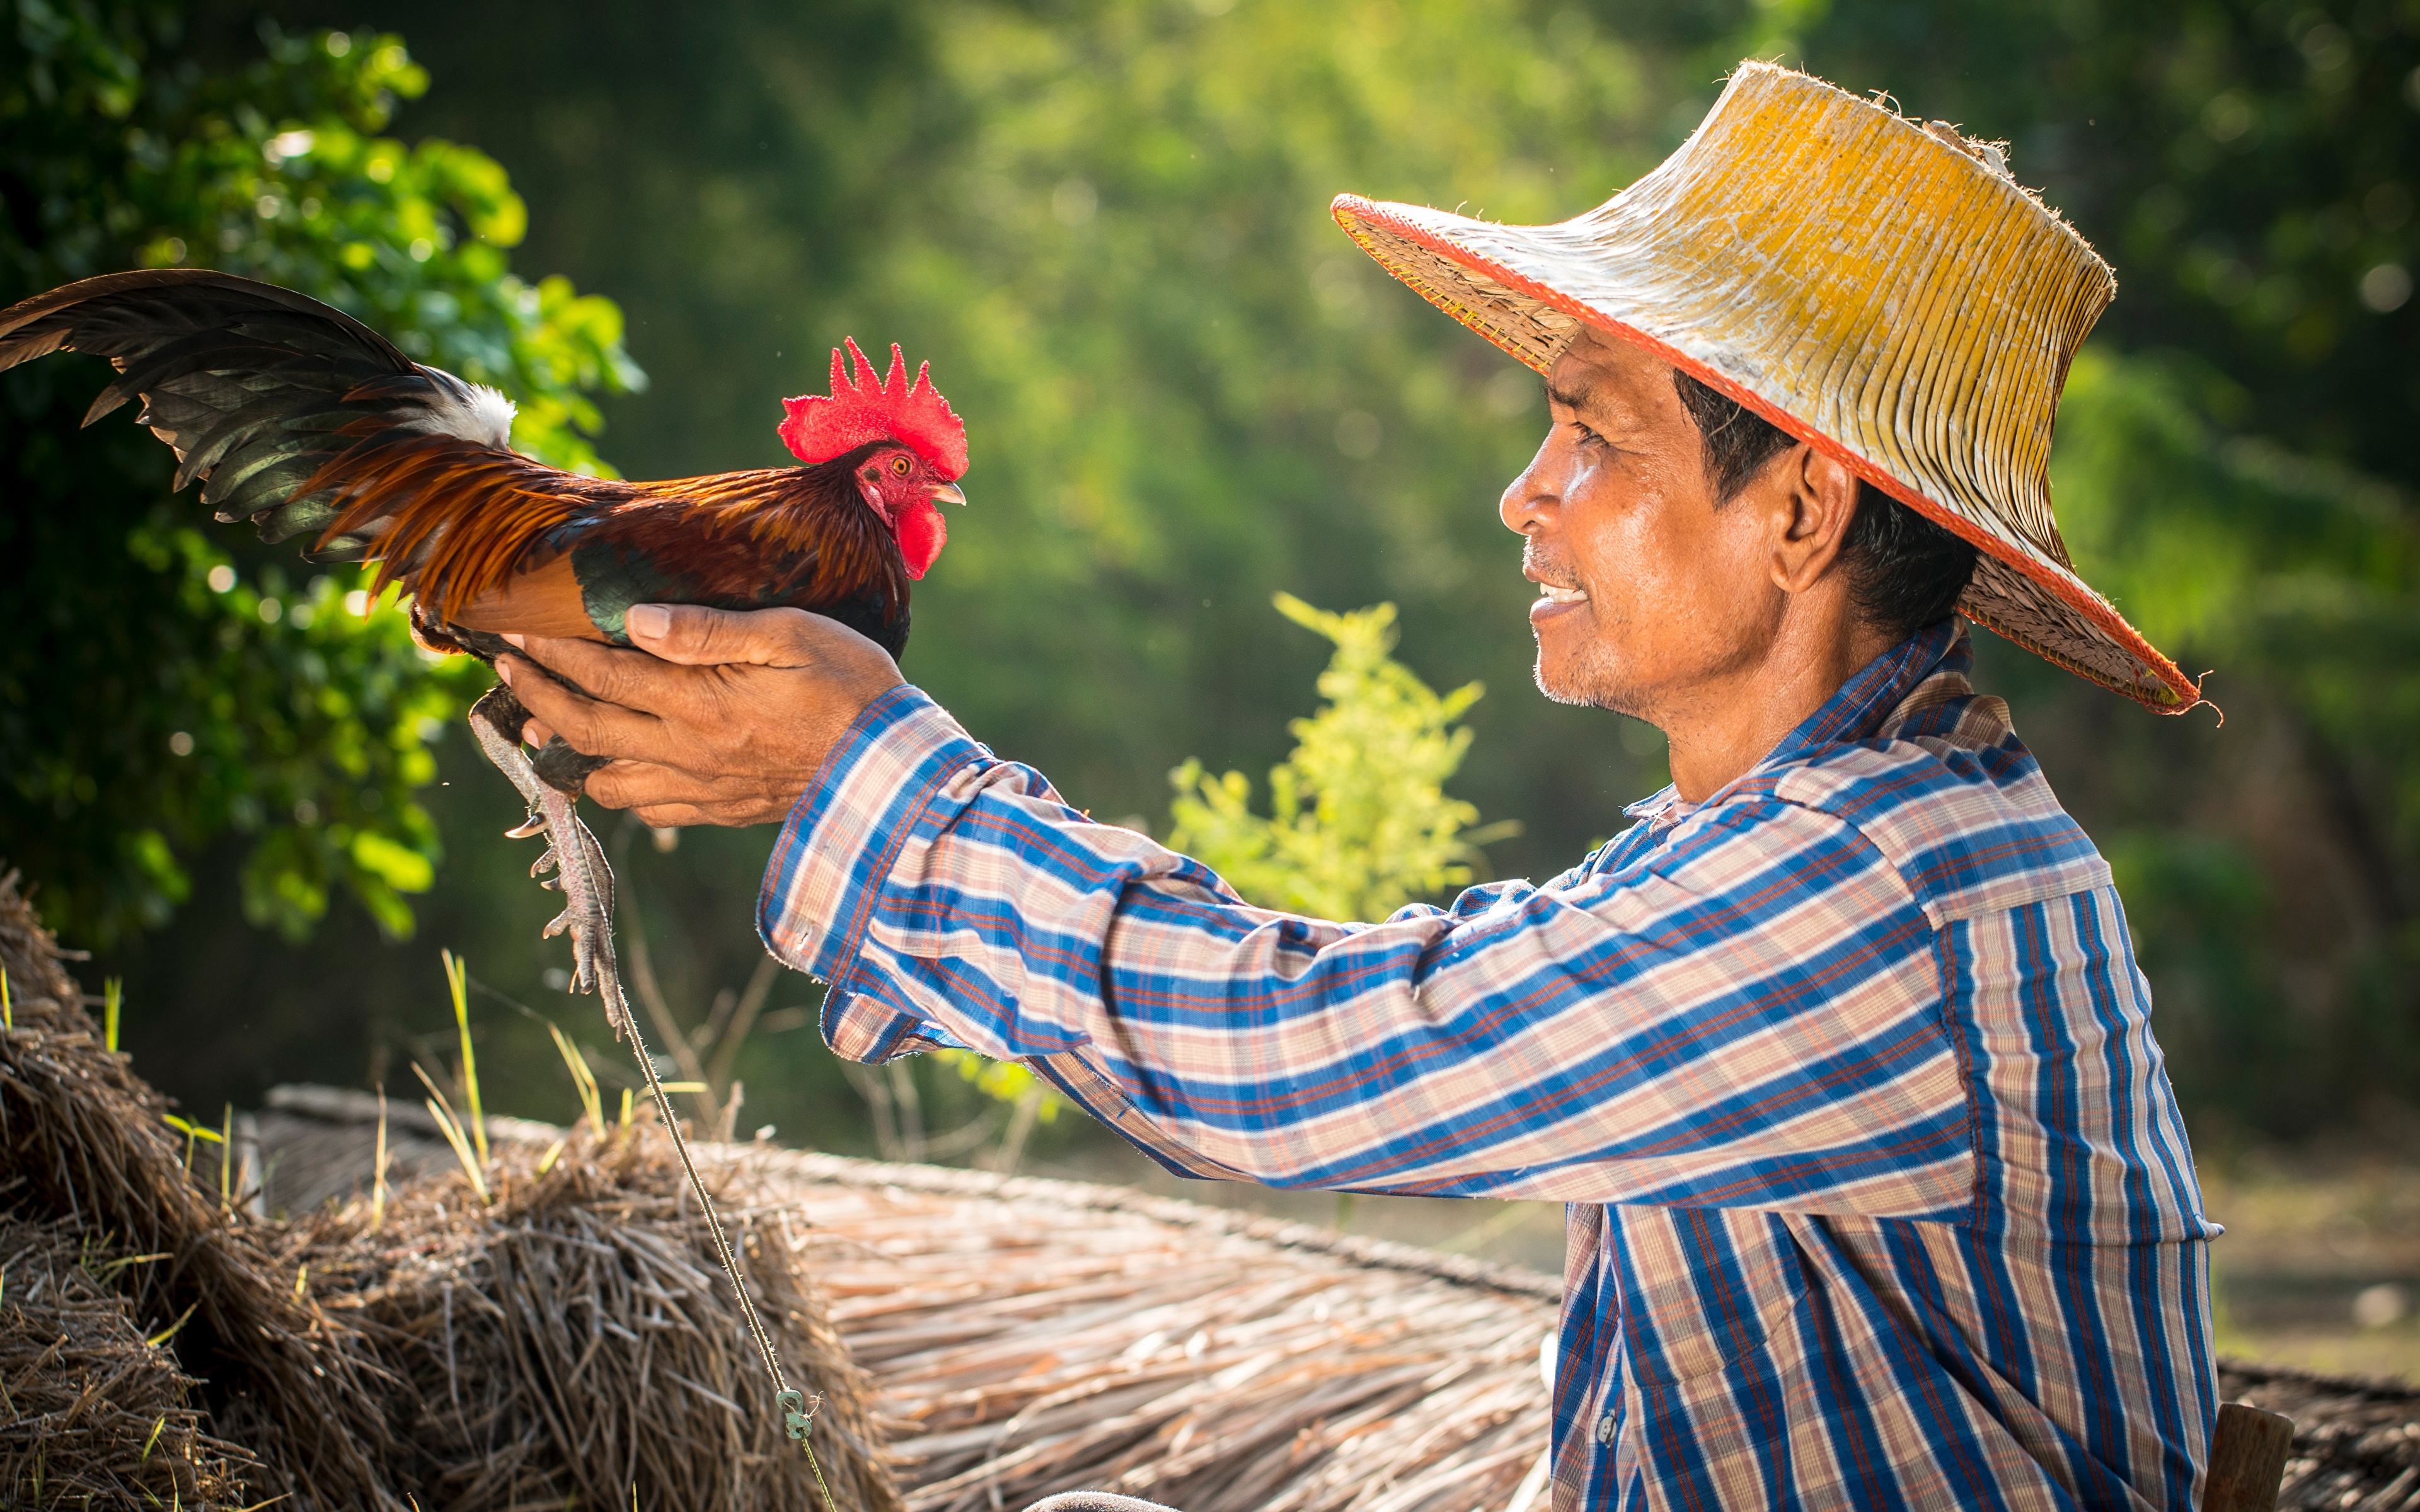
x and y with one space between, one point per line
797 1411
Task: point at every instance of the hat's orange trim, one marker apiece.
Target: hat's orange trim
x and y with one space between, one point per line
1347 208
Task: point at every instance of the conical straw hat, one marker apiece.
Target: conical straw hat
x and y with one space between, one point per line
1880 289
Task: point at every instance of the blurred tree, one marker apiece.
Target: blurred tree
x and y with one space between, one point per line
1204 393
165 686
2272 882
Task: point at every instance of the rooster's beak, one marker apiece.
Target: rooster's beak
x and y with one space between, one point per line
949 493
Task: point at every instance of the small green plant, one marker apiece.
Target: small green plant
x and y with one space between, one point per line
469 1136
450 1125
583 1081
192 1131
457 983
377 1170
1030 1100
1358 822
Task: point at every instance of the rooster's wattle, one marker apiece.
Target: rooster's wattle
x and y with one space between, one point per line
301 419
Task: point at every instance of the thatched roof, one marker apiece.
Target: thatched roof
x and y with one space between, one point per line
1028 1336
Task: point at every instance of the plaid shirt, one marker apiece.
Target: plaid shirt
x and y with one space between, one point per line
1878 1194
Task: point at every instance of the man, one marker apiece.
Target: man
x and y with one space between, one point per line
1879 1195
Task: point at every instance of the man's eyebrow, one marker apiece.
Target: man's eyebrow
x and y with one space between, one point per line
1568 398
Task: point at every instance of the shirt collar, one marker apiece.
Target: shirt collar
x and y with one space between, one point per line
1862 708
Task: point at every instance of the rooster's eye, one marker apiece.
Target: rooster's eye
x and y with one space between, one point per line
899 465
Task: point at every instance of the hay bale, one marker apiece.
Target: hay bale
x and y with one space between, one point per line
576 1338
86 1139
92 1411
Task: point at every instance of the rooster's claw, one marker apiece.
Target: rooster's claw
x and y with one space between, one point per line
572 854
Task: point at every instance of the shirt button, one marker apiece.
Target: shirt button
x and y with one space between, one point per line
1604 1429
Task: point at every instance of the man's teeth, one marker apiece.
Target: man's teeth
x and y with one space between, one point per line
1563 595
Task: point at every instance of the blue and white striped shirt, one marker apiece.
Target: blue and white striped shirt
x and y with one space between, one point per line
1878 1193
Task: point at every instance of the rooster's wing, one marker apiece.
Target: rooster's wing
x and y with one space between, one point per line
300 418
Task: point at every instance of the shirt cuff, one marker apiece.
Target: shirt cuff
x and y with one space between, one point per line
844 835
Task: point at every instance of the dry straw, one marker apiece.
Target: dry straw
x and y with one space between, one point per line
566 1334
574 1336
1030 1336
568 1337
87 1408
87 1148
1033 1336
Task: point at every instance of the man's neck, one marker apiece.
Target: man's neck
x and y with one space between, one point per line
1726 725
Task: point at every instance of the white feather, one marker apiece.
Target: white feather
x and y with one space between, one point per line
472 411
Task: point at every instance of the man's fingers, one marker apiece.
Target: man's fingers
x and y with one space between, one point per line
654 792
611 674
644 784
592 729
696 636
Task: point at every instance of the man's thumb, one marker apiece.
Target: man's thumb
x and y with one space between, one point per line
695 636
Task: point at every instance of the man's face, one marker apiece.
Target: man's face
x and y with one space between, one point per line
1649 592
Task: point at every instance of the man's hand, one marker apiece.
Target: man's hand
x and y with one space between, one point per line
717 718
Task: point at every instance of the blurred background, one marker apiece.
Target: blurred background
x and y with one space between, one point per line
1105 224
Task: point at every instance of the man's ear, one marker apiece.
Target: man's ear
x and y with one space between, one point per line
1816 499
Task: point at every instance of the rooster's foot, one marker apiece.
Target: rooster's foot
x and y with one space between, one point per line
581 874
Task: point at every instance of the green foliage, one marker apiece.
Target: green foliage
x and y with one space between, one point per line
2284 571
1358 822
2196 906
172 687
1005 1081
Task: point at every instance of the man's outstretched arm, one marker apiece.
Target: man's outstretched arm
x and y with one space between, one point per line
1644 1032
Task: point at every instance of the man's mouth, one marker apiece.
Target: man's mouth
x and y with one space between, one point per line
1554 600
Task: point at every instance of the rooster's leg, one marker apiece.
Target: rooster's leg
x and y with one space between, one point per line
582 876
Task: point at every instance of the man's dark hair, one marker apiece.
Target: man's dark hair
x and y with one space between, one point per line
1905 572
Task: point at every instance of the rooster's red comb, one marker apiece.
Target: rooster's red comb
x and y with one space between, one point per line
859 410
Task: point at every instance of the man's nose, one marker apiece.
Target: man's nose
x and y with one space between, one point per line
1534 494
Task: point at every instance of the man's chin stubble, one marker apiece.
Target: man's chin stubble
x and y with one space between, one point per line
1585 687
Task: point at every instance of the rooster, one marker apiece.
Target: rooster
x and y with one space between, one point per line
300 418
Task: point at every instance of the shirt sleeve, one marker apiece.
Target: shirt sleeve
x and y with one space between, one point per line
1748 1016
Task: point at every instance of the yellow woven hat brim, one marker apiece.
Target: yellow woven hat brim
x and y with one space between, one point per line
1878 290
